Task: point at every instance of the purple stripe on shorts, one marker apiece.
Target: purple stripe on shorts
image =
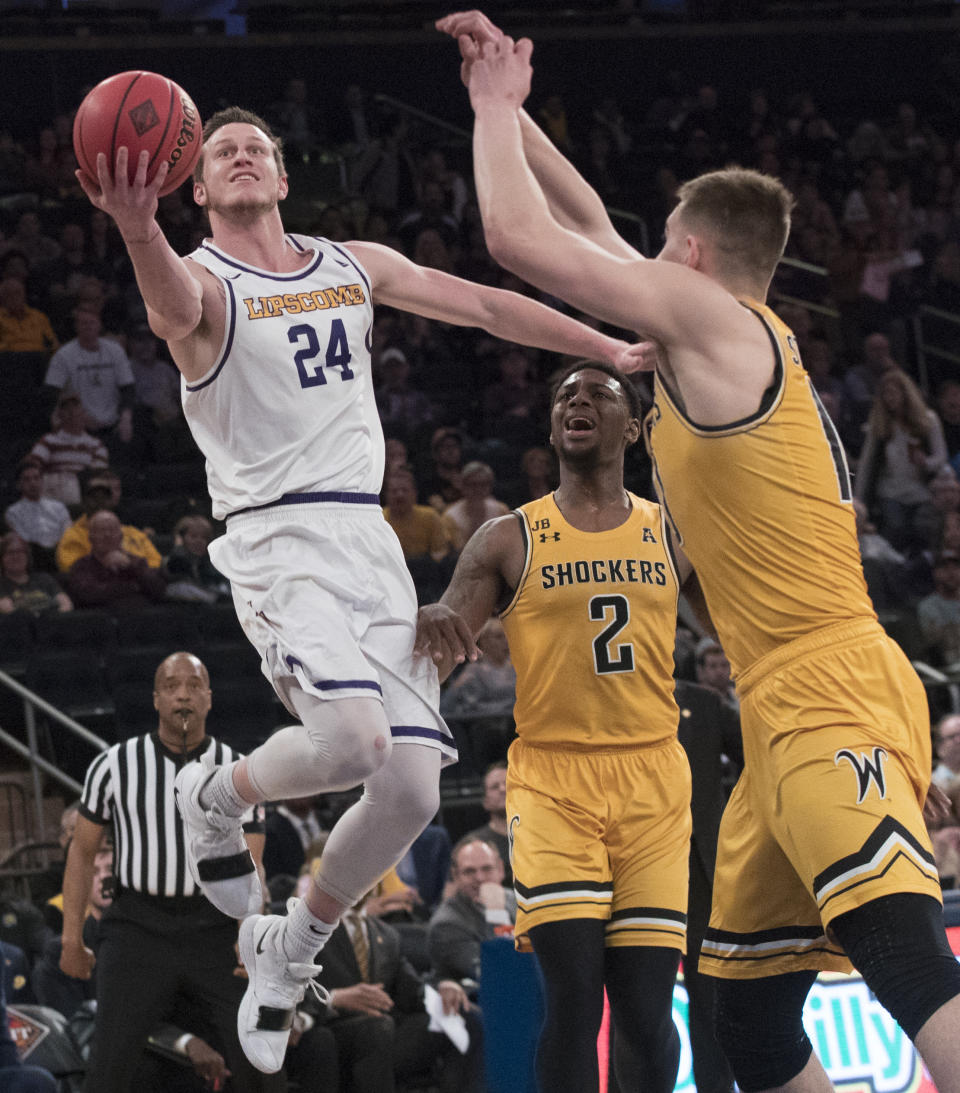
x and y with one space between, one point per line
334 684
422 731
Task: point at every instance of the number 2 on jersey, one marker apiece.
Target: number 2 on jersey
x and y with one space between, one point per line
337 353
606 657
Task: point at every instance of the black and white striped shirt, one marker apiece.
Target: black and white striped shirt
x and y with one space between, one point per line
130 786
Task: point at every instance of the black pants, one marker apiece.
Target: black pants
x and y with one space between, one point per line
375 1054
147 959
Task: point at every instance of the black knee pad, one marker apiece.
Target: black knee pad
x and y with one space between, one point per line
900 947
760 1029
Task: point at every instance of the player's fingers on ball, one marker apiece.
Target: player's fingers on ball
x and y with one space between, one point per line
142 162
158 179
524 49
87 184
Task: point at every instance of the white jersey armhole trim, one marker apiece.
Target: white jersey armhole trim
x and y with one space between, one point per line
229 330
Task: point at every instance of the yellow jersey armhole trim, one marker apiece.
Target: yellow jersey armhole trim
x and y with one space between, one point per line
528 560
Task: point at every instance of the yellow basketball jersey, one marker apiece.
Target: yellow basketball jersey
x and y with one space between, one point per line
591 630
762 508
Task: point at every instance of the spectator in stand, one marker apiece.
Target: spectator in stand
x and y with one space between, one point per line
14 1076
20 588
67 451
377 1016
431 211
946 739
945 497
486 686
100 489
515 406
98 370
948 407
883 567
818 360
945 834
13 162
441 480
903 448
40 520
539 467
53 986
29 237
23 329
298 121
192 575
939 613
156 381
713 671
494 831
430 249
435 168
403 409
49 168
476 506
943 284
291 829
109 576
75 264
422 531
395 456
479 908
860 384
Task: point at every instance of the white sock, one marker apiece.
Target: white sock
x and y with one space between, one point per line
305 934
221 794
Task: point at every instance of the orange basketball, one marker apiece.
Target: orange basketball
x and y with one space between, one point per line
141 110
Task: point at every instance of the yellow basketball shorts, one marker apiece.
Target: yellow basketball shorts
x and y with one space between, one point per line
827 814
601 833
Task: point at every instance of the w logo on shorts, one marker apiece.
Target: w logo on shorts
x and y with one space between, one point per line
868 770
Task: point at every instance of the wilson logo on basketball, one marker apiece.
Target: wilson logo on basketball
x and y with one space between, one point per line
188 126
144 117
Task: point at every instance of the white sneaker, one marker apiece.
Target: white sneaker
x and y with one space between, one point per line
217 852
274 990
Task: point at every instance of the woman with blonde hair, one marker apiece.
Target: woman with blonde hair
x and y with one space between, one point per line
903 448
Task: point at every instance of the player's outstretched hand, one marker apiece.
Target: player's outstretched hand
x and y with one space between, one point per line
443 636
132 206
501 72
472 30
639 357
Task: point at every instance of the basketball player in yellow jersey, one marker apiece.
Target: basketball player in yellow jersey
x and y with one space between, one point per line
598 786
823 852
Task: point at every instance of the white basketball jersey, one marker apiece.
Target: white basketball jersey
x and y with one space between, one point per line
289 407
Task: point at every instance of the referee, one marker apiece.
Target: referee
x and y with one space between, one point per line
162 944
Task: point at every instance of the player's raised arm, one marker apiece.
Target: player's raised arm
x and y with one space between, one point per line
400 283
522 234
571 200
171 287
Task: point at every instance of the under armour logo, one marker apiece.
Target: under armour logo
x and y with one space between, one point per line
868 770
554 535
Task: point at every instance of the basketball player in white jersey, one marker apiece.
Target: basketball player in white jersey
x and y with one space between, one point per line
271 333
